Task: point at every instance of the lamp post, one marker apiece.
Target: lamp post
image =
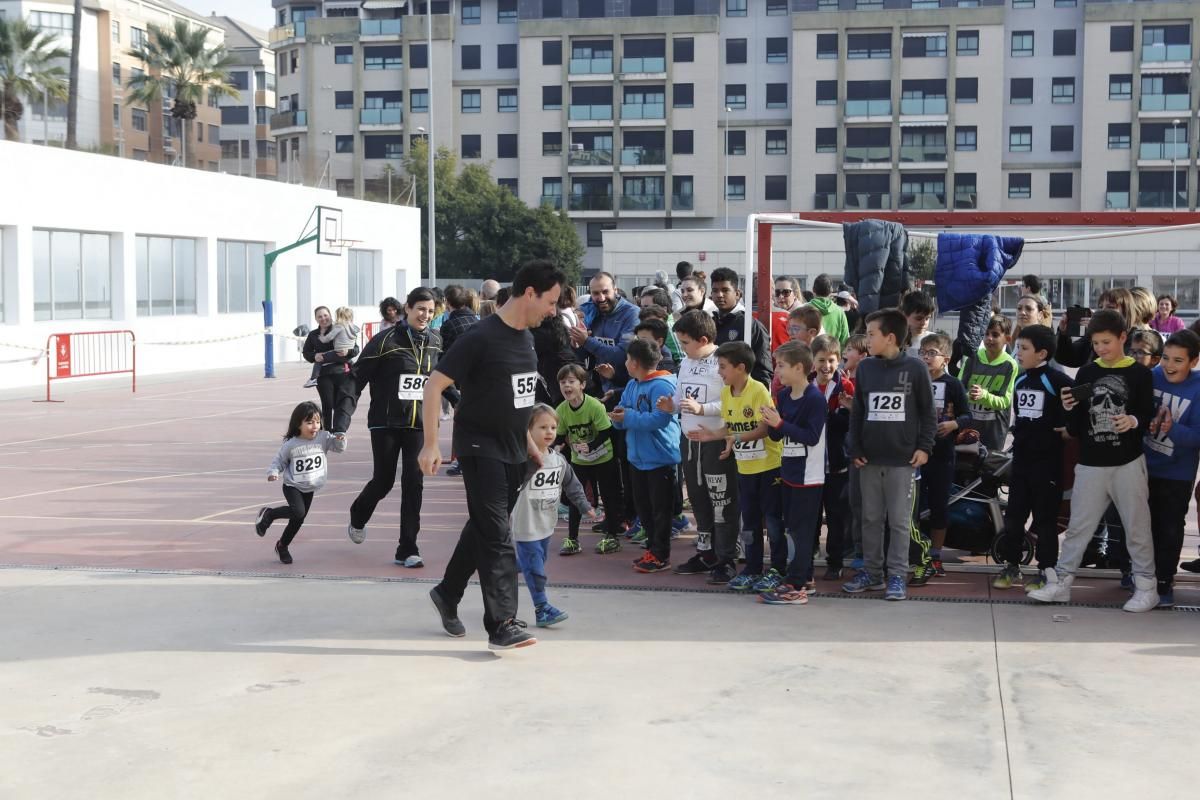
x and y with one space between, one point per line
429 138
727 110
1174 169
429 180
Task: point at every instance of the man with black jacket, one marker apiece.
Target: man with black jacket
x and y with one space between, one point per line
730 317
335 386
460 318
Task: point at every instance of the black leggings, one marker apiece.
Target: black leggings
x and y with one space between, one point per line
389 446
605 480
294 512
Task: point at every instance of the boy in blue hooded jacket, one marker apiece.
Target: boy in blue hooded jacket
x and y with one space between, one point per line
652 443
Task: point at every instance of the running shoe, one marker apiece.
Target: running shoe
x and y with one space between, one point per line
938 568
768 582
744 582
282 551
634 528
832 574
1009 577
921 575
863 581
454 470
639 536
570 547
413 562
696 565
649 563
895 588
261 523
357 535
679 525
548 615
1141 600
1166 599
310 383
785 595
1036 582
609 544
509 635
722 574
1191 566
448 613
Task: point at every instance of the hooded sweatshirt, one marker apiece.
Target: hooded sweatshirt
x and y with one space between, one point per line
652 436
610 334
833 319
731 327
992 412
1176 454
893 414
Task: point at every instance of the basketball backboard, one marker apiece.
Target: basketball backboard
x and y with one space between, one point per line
329 231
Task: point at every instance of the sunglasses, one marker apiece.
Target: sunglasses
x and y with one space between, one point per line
779 292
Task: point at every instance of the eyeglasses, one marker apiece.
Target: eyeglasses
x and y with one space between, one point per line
930 353
779 292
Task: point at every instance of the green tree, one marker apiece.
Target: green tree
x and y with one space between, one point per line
179 60
29 70
922 258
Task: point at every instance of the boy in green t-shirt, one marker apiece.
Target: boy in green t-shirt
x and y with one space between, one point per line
585 425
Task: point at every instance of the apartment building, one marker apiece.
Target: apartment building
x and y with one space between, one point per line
657 114
247 146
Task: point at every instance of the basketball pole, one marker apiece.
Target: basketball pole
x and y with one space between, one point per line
268 306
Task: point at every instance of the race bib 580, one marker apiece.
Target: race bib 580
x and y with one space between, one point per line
412 387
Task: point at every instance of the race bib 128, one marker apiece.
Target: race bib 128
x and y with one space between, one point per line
885 407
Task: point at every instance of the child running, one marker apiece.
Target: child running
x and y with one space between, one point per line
588 434
536 512
343 334
302 463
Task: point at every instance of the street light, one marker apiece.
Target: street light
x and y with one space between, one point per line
1174 158
727 110
429 180
429 138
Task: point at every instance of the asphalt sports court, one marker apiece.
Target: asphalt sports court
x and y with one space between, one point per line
126 531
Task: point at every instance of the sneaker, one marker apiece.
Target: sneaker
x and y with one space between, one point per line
832 574
1191 566
357 535
1056 590
449 614
768 582
649 563
640 537
1166 599
857 564
679 524
609 544
310 383
511 634
722 574
600 527
413 562
938 569
744 582
785 595
454 470
863 581
921 575
1142 600
696 565
564 512
704 541
548 615
634 528
260 522
1009 577
810 586
1127 581
895 588
570 547
281 550
1036 582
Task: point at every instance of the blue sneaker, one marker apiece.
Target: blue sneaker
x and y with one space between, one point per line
1127 581
633 528
862 581
856 564
548 615
768 583
895 588
678 526
1166 599
744 582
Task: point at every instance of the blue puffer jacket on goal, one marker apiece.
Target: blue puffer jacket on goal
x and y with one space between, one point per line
969 268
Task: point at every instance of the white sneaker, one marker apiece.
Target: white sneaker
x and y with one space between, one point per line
310 383
1056 590
413 561
357 535
1142 600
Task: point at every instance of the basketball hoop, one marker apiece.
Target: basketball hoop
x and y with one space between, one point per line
338 246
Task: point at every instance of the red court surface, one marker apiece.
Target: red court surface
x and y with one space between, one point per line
169 479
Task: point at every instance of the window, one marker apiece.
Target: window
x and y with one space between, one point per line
72 275
777 95
965 192
239 80
419 101
506 56
470 12
825 190
826 140
868 45
383 146
551 97
506 100
595 232
1022 44
1186 291
735 95
1065 3
343 100
1120 135
924 46
166 276
922 190
777 142
137 37
471 146
1064 42
1120 39
1062 138
735 8
235 115
1023 3
418 56
925 4
827 45
551 143
965 137
1020 91
966 90
266 80
116 31
508 183
735 143
591 9
551 52
682 95
506 12
735 51
551 9
51 22
506 145
361 275
1061 184
775 187
343 54
827 93
470 56
137 118
471 99
1062 90
682 142
777 8
1020 139
239 276
552 192
683 50
383 57
735 187
967 43
1020 185
1120 86
777 50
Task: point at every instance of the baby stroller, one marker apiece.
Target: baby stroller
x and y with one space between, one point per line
978 498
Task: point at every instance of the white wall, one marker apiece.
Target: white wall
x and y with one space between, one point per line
64 190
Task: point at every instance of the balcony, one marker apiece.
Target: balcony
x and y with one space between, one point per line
643 202
590 113
1163 151
825 201
683 202
881 154
590 158
923 106
635 111
869 108
1162 199
640 66
381 117
285 33
642 157
286 121
380 27
552 201
1166 52
910 154
869 200
1166 102
590 202
590 66
923 200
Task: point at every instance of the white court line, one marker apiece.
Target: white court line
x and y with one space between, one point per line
236 523
127 480
260 505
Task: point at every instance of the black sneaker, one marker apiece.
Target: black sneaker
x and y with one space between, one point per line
1191 566
921 575
722 574
282 551
509 635
696 565
449 614
260 522
832 574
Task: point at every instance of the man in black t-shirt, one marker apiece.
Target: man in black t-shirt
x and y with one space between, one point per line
495 367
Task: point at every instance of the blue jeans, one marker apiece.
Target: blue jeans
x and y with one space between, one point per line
762 500
531 557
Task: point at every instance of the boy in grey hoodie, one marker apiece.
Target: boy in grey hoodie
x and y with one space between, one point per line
892 427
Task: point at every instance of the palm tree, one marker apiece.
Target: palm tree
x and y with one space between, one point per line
73 87
179 59
28 71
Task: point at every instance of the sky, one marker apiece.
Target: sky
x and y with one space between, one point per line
257 12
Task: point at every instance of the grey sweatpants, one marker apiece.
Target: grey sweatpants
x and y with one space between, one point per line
1126 487
887 494
712 484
